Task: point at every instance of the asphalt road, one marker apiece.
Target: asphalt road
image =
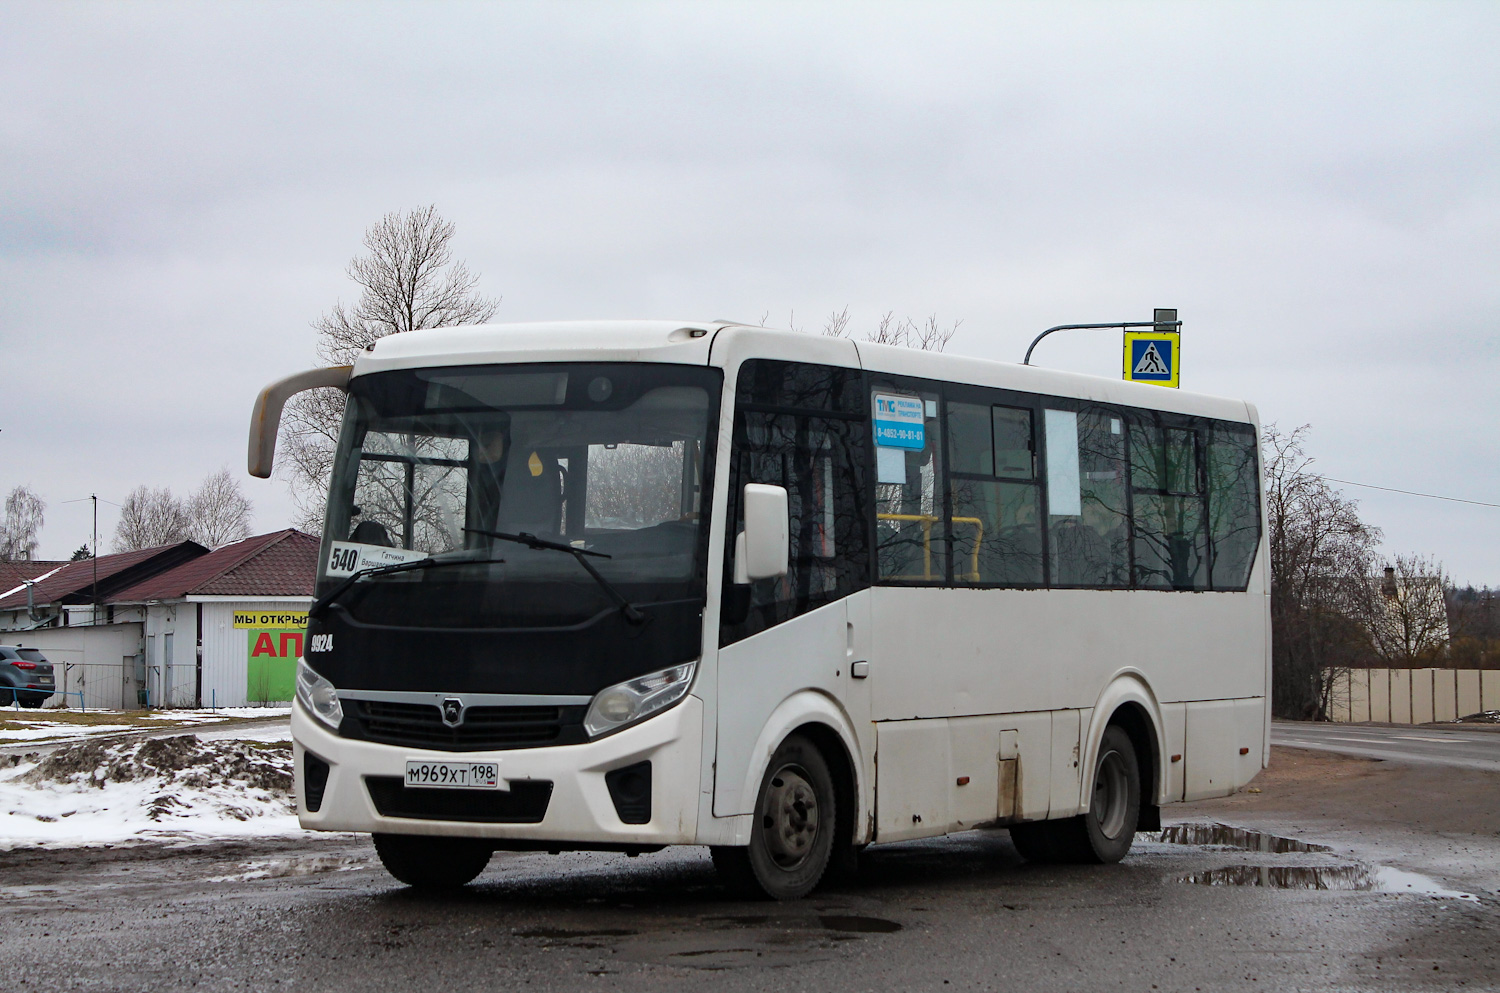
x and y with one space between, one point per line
1217 910
1464 748
963 913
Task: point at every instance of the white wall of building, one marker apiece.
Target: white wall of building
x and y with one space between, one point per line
172 654
226 649
100 662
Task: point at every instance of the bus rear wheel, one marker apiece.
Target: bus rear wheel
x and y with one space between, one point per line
1106 832
793 834
432 863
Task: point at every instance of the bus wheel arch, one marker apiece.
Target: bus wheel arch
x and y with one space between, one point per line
1127 702
823 721
1133 719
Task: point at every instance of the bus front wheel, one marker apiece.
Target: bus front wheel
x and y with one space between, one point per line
432 863
795 822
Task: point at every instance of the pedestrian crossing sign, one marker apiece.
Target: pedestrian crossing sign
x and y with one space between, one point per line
1152 357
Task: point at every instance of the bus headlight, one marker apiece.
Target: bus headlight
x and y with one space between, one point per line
318 696
625 703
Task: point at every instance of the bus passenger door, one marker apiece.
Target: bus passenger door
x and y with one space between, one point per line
796 637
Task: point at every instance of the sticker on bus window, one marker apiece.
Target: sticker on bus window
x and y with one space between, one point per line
899 422
346 558
890 465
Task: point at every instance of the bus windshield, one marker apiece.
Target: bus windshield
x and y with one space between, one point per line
609 458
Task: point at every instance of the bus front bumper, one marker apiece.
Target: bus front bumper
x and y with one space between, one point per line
579 810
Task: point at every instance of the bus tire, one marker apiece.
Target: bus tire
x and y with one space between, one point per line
792 837
1036 842
1105 833
432 863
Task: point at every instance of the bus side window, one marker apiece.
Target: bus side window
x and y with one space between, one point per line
1170 539
911 543
1233 504
781 438
1087 526
997 531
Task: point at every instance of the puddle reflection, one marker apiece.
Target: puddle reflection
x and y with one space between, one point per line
1225 836
1378 879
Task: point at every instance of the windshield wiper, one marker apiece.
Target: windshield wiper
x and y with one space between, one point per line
628 609
321 604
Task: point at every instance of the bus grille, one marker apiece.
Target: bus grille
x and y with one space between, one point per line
524 803
420 725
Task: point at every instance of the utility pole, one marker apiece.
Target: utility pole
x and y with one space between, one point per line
95 618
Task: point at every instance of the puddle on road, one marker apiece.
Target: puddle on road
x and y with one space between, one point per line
731 941
1356 876
1377 879
860 925
584 939
1225 836
846 923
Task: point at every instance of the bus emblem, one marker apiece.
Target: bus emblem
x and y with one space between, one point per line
453 712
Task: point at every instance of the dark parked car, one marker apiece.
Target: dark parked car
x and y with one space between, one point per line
25 676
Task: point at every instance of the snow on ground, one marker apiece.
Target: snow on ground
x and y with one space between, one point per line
160 789
28 730
50 731
279 731
206 715
1483 717
69 725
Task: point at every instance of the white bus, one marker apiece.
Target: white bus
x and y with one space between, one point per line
617 586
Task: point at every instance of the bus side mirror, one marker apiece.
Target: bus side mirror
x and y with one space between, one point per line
760 551
265 420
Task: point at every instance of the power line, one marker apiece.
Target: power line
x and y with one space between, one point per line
1392 489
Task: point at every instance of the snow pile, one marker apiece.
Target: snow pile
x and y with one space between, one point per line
158 789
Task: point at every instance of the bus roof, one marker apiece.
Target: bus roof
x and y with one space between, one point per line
691 342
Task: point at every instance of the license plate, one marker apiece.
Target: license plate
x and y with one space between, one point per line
454 775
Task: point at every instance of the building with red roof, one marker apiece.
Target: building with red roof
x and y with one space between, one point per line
221 627
13 575
67 594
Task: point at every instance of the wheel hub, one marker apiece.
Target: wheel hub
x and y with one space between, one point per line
790 817
1111 794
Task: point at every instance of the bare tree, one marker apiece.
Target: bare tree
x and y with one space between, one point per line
1321 560
837 324
409 281
928 336
1474 626
219 512
1408 620
21 528
151 518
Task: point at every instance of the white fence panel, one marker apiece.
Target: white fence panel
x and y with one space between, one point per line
1412 696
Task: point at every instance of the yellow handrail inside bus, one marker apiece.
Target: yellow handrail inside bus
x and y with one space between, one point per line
927 521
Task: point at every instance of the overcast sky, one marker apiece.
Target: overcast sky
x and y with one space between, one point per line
1315 187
